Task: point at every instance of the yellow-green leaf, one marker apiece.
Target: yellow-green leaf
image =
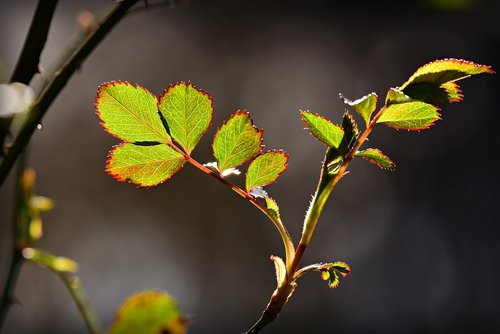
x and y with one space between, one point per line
272 206
321 128
415 115
130 113
188 112
375 156
149 312
364 106
236 141
265 169
144 166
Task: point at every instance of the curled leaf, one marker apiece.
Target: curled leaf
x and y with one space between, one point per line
331 274
279 266
364 106
272 206
375 156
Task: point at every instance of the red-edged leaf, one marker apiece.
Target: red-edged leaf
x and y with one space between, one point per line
265 169
415 115
375 156
364 106
144 166
188 112
236 141
130 113
325 131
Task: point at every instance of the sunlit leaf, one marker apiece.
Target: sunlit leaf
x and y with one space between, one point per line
321 128
130 113
376 157
415 115
265 169
273 207
280 268
144 166
351 134
236 141
149 312
435 81
188 112
331 274
364 106
394 95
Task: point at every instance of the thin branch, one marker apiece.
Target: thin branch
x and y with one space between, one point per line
27 64
58 82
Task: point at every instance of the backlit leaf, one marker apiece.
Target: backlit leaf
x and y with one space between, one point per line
415 115
149 312
130 113
273 207
188 112
376 157
321 128
364 106
331 274
435 81
144 166
236 141
280 269
394 95
265 169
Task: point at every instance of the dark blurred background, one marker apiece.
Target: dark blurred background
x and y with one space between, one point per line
423 241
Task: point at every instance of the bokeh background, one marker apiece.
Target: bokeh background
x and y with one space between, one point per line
423 241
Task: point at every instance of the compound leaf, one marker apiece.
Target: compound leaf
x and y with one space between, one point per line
415 115
375 156
236 141
144 166
130 113
265 169
149 312
188 112
364 106
321 128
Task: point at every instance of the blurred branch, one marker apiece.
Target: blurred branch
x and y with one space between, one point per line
27 64
58 82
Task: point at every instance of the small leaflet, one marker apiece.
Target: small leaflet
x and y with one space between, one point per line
236 141
280 268
266 169
322 129
375 156
273 206
331 274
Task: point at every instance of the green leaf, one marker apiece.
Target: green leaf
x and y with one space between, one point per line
265 169
272 206
394 95
331 274
280 268
236 141
375 156
188 112
414 115
144 166
351 134
445 70
149 312
321 128
130 113
364 106
435 81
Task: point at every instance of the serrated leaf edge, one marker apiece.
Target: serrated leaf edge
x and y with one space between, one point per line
205 93
121 179
420 128
320 116
277 176
259 131
391 168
